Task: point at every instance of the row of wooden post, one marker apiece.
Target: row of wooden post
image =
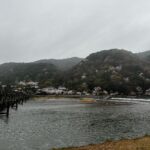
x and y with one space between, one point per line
11 100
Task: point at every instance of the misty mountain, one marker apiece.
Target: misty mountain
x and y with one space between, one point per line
144 55
14 72
112 70
45 71
62 64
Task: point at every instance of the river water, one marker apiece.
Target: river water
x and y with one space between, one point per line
43 124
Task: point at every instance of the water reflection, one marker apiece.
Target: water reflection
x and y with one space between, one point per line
4 118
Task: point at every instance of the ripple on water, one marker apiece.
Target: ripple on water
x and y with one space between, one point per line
40 125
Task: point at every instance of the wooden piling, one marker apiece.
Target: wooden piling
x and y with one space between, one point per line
7 110
11 99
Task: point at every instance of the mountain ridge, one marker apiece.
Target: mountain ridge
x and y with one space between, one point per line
144 55
113 70
62 64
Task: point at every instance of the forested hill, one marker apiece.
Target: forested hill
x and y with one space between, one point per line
112 70
145 55
11 73
62 64
47 72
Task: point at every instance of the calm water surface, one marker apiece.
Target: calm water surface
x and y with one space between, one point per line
44 124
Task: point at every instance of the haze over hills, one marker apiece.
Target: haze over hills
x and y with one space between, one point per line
113 70
46 72
11 73
62 64
145 55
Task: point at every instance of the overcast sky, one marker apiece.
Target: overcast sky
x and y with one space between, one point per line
37 29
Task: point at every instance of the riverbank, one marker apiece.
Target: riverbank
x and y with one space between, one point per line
135 144
65 96
88 96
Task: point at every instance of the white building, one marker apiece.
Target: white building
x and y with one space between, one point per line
147 92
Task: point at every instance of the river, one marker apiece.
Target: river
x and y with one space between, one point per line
43 124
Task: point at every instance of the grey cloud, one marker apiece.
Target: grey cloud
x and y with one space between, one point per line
36 29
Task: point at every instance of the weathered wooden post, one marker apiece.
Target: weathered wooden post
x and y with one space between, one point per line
7 109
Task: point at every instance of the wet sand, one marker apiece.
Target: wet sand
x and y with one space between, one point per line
135 144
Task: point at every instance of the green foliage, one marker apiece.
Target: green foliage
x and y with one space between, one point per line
15 72
113 70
